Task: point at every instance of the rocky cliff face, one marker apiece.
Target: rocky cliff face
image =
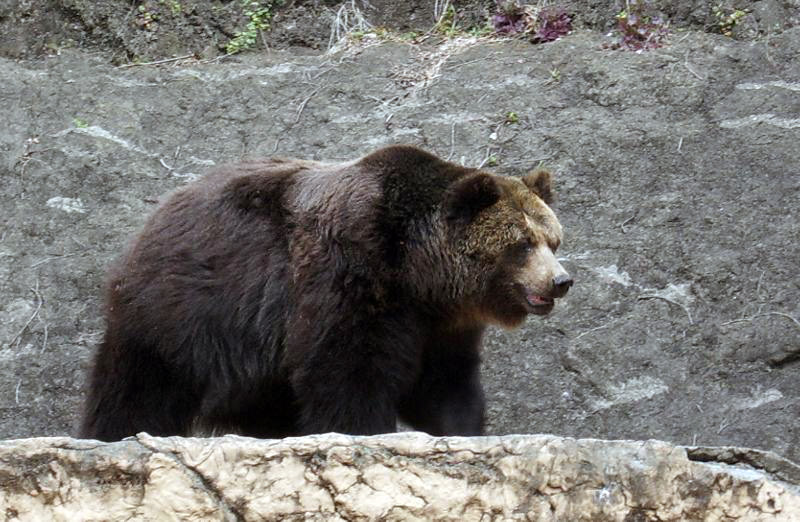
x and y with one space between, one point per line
398 477
677 188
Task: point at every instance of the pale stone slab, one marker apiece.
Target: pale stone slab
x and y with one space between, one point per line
407 476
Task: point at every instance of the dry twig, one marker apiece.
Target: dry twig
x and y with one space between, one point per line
688 68
303 105
667 299
164 164
488 156
764 314
158 62
56 256
593 330
452 141
39 303
622 226
758 285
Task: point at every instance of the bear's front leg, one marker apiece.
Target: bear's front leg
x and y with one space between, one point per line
448 398
337 397
347 376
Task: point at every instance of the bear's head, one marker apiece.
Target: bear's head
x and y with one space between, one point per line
506 233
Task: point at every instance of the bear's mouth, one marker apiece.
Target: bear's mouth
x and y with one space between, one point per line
539 304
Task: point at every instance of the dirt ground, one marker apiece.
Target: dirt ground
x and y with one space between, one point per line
677 171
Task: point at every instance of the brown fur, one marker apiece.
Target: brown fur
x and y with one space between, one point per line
286 297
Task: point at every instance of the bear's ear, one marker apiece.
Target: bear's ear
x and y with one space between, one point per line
259 193
539 182
466 197
251 193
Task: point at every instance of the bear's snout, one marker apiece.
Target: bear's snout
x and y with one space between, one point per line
561 284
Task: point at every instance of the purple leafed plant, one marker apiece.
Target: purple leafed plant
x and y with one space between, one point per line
510 17
638 31
544 25
551 24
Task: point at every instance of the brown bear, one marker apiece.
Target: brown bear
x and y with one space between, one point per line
285 297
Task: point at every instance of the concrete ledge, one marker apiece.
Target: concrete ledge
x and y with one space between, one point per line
407 476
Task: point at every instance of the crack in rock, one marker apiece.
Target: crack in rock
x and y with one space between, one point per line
207 484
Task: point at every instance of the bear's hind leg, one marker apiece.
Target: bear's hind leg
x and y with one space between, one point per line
267 413
131 389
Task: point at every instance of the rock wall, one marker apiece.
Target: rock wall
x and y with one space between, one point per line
406 476
677 186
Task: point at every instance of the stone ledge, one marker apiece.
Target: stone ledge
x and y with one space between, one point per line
406 476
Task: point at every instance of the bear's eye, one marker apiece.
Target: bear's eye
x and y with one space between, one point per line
527 245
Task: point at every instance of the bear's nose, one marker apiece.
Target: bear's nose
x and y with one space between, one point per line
561 284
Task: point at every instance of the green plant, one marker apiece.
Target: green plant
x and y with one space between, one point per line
175 7
259 15
409 36
79 123
482 30
726 21
446 25
382 33
512 117
145 17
